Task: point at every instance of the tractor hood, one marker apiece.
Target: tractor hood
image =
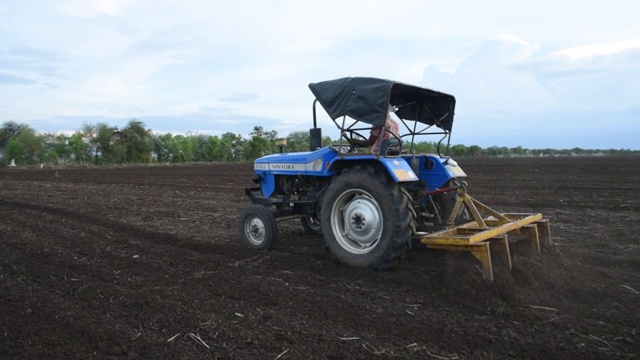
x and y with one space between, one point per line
367 99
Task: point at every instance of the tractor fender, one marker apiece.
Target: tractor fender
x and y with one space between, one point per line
398 169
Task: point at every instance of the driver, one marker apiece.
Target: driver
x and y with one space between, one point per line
380 143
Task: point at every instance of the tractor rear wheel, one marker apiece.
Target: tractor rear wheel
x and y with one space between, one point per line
366 219
257 227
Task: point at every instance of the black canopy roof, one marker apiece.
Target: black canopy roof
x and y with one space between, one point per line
367 99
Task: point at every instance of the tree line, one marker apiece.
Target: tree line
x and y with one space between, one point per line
102 144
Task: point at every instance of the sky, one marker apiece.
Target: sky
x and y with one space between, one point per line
537 74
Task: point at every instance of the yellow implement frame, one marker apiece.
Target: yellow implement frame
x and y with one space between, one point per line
487 232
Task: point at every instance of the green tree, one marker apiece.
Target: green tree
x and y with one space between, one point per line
474 150
179 149
26 148
78 148
161 146
100 140
225 152
13 150
11 129
298 141
423 147
236 143
257 146
518 151
56 148
212 149
104 141
493 151
504 151
258 130
205 147
261 142
134 140
458 150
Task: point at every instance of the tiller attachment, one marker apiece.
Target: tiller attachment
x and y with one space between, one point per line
489 232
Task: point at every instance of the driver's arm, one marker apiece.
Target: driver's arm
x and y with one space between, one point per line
370 141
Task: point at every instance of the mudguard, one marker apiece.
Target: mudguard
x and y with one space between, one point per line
399 170
433 170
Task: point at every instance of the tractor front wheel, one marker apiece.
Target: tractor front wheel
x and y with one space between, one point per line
366 219
257 227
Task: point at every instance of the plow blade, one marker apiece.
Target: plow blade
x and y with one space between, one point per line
488 233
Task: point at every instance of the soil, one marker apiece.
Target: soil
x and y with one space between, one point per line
145 263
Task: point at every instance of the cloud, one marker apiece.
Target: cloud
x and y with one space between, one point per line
240 97
172 41
499 51
603 129
214 122
13 79
220 62
597 50
490 78
510 74
85 9
598 81
38 63
509 86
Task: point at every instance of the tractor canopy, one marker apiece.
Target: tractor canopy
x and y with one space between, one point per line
367 99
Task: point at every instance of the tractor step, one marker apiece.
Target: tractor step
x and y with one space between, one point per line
489 232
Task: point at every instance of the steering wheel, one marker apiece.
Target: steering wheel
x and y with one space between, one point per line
349 138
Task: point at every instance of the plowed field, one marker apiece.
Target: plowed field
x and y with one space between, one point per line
145 263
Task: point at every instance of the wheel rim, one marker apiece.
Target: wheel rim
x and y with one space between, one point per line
254 230
356 220
313 223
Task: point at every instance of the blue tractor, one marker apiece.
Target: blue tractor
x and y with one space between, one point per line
370 207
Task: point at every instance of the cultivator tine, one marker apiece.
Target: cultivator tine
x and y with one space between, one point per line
481 251
545 231
488 231
500 246
531 232
538 233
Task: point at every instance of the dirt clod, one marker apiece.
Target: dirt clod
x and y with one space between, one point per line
112 263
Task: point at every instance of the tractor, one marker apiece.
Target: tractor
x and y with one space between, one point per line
371 208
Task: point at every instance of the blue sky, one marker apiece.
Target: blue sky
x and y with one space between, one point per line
538 74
